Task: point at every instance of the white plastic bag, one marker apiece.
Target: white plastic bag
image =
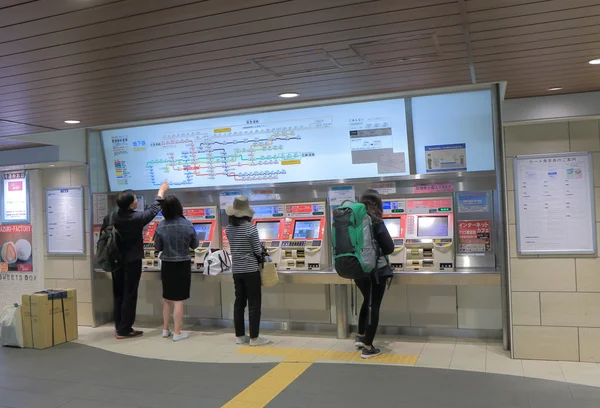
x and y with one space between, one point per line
11 327
217 262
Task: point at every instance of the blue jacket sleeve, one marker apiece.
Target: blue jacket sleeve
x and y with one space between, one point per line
158 243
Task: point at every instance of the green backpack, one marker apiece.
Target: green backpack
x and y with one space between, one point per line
355 251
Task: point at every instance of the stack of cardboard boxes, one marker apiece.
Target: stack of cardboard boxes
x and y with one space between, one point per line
49 318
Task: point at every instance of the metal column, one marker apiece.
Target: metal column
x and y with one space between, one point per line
341 307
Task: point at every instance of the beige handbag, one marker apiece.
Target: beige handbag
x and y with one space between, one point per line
268 275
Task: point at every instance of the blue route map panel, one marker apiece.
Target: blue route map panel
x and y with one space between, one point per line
358 140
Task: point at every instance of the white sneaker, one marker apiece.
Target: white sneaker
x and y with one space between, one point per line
242 340
179 337
259 341
166 334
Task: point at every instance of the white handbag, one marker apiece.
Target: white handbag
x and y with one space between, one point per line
217 262
11 327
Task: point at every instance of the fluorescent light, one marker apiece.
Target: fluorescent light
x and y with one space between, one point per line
51 165
72 122
556 88
595 61
288 95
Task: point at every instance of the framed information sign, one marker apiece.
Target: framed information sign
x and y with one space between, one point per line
65 221
15 198
554 203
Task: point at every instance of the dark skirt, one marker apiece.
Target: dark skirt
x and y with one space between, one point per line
176 280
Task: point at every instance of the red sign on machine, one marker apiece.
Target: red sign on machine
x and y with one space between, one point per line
474 236
302 208
194 212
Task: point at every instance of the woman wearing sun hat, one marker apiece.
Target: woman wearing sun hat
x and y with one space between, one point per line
245 249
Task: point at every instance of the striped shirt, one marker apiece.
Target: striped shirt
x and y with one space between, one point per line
245 247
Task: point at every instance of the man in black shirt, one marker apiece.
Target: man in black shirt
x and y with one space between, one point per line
126 277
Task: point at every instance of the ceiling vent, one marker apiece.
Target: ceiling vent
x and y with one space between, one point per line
297 63
412 47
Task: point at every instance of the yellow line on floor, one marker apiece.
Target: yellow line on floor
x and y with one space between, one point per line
304 355
296 361
266 388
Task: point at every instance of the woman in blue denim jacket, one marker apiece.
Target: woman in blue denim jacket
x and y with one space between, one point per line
174 237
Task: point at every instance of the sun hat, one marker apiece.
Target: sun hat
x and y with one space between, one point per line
240 208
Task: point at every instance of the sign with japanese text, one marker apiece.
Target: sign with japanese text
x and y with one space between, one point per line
474 236
15 203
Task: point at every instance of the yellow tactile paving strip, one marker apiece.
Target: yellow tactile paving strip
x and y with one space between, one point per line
296 361
310 356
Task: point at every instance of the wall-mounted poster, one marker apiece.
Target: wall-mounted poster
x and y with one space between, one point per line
450 157
65 221
474 236
17 275
15 202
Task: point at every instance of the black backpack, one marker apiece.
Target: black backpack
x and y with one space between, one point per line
108 255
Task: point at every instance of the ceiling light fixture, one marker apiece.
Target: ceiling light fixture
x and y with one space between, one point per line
595 61
556 88
72 122
289 95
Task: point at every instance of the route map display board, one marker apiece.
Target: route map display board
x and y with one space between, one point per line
65 221
348 141
554 201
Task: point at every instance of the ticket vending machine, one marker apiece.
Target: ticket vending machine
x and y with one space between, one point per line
150 255
304 241
270 223
205 224
395 221
429 235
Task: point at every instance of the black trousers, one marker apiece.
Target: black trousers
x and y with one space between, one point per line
370 287
126 281
247 291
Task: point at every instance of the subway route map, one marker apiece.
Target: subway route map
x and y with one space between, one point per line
333 142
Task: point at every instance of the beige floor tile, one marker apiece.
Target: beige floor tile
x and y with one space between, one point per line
589 380
436 355
578 369
469 357
498 361
407 348
547 370
320 344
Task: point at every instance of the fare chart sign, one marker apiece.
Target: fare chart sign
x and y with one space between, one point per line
15 203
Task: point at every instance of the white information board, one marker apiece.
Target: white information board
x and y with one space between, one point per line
65 223
554 199
358 140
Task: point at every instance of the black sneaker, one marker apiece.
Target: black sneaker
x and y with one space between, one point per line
359 342
130 335
368 353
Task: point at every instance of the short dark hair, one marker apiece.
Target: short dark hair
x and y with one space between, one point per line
236 221
372 200
172 208
125 199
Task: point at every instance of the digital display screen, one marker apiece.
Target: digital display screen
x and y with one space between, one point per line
432 227
268 229
393 226
307 229
264 211
141 157
203 231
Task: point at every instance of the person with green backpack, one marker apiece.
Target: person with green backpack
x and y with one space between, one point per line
361 244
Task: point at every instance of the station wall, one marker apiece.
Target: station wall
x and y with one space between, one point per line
555 300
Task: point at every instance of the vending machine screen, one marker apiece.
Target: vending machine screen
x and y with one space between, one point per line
307 229
203 231
393 226
432 227
268 229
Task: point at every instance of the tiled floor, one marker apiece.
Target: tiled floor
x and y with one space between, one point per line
209 370
448 353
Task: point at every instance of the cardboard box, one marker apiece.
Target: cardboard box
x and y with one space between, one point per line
49 318
70 314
